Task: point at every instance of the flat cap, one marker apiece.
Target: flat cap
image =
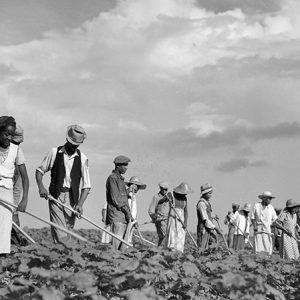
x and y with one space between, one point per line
121 159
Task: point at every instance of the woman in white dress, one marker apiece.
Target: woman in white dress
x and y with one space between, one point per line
10 155
178 216
134 185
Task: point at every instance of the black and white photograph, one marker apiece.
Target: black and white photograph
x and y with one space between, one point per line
149 149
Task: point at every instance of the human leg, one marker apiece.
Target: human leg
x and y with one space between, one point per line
118 229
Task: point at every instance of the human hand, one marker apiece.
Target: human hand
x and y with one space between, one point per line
79 210
136 225
43 192
22 206
216 217
218 230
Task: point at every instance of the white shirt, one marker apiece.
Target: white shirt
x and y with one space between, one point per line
132 205
202 207
14 157
242 224
263 217
49 159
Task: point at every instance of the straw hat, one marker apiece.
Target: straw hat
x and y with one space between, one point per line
163 185
135 180
292 203
266 194
75 134
206 188
183 188
246 207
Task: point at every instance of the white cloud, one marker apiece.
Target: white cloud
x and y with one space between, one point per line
131 125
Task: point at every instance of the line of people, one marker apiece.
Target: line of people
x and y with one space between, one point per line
267 227
70 184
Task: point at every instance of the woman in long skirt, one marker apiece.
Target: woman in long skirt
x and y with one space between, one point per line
9 157
241 227
288 247
134 185
178 216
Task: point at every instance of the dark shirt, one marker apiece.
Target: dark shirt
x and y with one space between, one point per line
117 199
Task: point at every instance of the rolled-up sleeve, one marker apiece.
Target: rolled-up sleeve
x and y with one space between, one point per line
118 197
20 160
207 222
48 161
86 181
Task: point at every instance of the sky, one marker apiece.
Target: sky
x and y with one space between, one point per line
191 90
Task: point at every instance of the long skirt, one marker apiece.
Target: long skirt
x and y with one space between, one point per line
5 220
175 237
238 242
288 247
263 242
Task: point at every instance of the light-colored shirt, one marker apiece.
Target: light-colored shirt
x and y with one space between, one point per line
132 205
202 207
161 209
263 217
14 157
17 180
49 160
242 224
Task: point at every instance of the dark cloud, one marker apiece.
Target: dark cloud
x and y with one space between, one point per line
28 20
247 6
238 164
282 130
186 141
6 72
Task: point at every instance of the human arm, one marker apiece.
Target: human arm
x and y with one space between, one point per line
45 166
39 180
227 218
185 216
103 212
25 183
118 196
83 195
152 208
201 207
86 184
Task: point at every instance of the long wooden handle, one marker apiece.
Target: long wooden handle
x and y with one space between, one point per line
223 237
77 236
143 239
90 221
24 233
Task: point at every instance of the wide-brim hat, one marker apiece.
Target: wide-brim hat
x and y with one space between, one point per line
163 185
183 188
246 207
75 134
135 180
266 194
19 134
206 188
292 203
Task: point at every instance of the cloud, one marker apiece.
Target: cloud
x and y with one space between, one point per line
185 141
236 164
133 125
